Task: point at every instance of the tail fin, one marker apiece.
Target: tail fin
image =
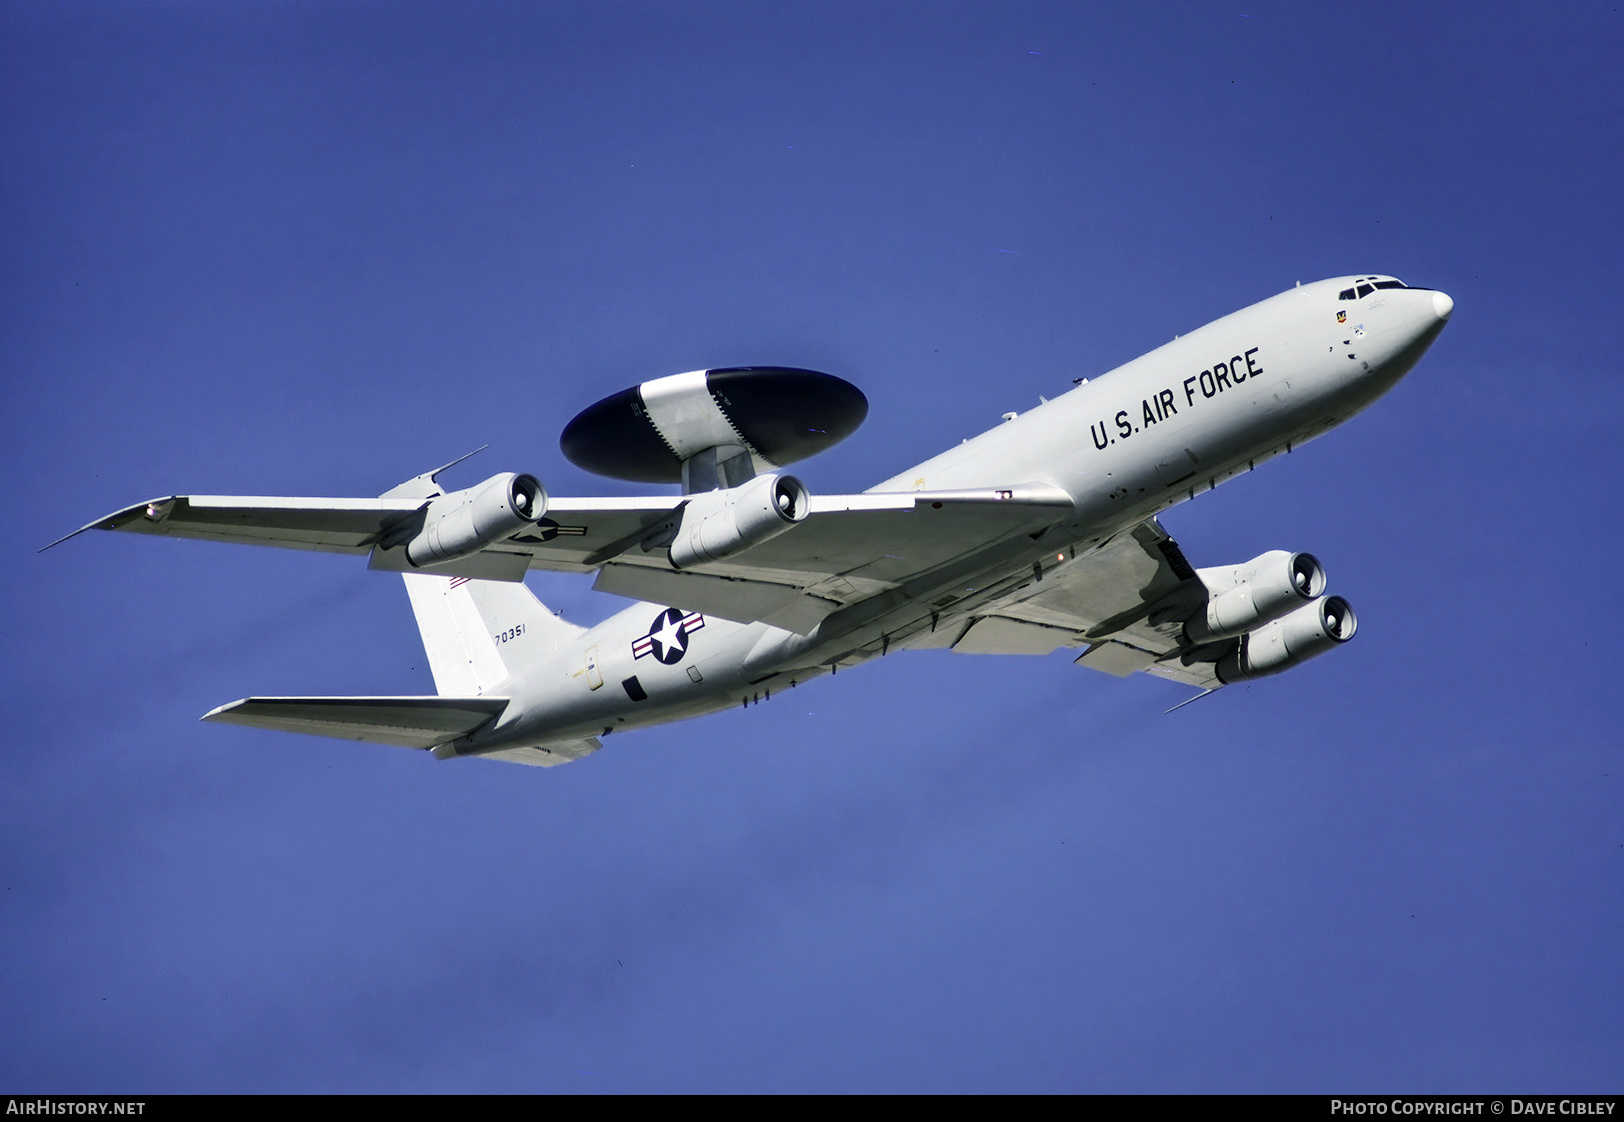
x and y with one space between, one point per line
479 633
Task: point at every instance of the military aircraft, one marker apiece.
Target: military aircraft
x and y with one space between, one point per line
1037 535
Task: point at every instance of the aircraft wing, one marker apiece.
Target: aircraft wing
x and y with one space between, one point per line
330 525
406 722
848 548
354 525
1125 601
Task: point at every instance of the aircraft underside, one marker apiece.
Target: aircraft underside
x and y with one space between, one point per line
1038 535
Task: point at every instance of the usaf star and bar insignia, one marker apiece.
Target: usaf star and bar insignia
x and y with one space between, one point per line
667 638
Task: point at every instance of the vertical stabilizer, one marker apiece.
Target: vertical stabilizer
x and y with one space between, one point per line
479 633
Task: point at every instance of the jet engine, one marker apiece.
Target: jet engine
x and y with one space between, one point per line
464 522
718 524
1294 638
1244 597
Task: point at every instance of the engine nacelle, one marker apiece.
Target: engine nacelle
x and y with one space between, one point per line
1244 597
718 524
1292 639
465 522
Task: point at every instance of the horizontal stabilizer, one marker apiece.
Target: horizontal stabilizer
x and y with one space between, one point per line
407 722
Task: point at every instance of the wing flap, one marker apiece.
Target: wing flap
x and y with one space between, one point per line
892 537
546 755
849 548
1116 659
1115 587
1203 673
743 601
1128 600
994 635
406 722
880 537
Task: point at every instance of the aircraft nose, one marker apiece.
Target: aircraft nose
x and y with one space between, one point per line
1442 305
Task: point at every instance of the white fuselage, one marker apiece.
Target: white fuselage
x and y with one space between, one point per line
1161 429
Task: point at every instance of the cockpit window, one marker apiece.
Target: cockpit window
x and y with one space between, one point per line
1366 286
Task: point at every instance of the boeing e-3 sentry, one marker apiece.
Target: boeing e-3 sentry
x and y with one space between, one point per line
1037 535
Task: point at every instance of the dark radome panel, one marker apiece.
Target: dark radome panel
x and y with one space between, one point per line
788 414
614 438
783 413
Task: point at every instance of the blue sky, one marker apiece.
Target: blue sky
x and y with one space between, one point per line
297 248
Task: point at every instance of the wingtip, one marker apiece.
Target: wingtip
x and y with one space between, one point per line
106 523
214 714
64 538
119 517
